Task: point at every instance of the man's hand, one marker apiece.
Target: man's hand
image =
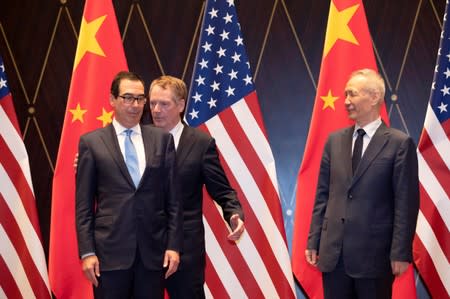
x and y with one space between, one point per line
399 267
237 227
75 162
91 268
311 256
171 261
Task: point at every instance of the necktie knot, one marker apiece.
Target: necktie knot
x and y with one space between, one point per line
128 132
360 132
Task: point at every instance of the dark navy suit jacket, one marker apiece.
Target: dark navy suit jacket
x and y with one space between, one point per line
113 217
372 214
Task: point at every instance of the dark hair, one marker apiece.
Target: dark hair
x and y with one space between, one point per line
121 76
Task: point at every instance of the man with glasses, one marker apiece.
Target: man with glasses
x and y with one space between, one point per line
128 214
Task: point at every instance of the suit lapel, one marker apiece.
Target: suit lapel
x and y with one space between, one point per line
185 145
346 153
375 146
148 141
109 138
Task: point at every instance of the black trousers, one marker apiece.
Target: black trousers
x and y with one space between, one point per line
337 284
186 284
136 282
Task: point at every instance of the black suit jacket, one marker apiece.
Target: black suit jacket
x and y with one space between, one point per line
198 165
372 215
113 217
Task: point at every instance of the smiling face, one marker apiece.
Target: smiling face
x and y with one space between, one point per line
362 100
128 114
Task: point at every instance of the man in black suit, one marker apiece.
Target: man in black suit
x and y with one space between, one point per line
366 205
128 214
198 165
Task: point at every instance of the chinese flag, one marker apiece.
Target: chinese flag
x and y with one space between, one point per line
347 47
98 58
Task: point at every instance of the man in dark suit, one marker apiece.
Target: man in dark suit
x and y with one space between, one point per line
366 205
128 214
198 165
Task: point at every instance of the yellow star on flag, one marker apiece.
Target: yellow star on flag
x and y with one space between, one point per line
77 113
106 117
329 100
87 42
337 27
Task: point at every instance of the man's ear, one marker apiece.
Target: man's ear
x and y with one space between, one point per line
111 99
181 104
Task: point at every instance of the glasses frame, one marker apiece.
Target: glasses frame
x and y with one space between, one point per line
129 99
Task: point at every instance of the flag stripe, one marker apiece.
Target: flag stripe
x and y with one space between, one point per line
217 289
239 257
263 246
9 287
16 177
15 237
251 191
436 191
14 141
434 220
429 241
245 117
15 266
430 275
437 135
228 277
261 241
250 156
434 166
12 199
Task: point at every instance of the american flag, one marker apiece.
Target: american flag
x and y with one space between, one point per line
223 101
22 262
432 242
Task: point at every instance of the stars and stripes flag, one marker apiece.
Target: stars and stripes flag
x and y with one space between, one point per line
223 101
432 242
23 269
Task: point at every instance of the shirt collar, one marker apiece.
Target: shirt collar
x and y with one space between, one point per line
176 130
370 128
121 129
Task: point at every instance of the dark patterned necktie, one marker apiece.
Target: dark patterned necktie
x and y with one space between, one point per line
357 149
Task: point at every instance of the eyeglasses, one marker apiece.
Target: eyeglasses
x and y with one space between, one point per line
129 99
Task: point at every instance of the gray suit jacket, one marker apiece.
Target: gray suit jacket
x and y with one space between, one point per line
113 217
372 215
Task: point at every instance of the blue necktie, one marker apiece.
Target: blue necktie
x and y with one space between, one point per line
131 158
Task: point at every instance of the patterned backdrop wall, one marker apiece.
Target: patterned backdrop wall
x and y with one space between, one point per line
284 40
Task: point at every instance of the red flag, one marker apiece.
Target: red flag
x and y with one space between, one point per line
98 58
22 261
347 48
223 101
432 242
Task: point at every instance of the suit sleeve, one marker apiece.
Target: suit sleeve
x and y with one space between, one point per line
86 182
217 183
173 202
406 187
321 200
